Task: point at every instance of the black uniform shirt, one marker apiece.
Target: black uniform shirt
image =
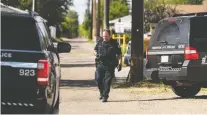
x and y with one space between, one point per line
109 49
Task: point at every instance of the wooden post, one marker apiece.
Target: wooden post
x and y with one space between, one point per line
136 69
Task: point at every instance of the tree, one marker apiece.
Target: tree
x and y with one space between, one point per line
70 24
85 29
156 11
52 10
117 8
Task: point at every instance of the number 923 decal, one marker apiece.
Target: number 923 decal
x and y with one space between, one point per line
27 72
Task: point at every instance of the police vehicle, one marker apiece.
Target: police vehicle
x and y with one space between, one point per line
177 53
30 64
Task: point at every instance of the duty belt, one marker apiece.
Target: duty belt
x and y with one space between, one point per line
104 62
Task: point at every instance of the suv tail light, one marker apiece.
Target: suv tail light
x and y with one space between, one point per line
190 53
43 72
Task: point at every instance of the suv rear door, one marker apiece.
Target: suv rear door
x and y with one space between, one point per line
198 42
20 53
166 47
198 34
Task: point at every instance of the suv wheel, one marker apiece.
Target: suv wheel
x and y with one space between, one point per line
58 102
186 92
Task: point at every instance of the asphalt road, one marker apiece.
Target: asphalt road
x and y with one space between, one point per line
79 93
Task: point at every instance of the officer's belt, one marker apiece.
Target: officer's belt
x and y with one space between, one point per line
105 62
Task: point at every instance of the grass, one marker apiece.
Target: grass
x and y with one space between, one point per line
146 87
143 84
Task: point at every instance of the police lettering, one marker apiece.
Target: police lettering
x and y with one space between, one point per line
6 55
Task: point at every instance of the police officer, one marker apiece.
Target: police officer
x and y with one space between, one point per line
107 52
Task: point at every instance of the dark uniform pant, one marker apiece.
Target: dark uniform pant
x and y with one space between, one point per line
104 75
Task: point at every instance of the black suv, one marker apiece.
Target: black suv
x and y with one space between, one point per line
30 64
177 53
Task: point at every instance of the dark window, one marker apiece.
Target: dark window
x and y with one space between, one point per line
45 32
170 33
199 33
199 28
19 33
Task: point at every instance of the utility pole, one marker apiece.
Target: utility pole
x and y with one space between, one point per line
33 5
94 19
98 20
90 13
136 70
106 14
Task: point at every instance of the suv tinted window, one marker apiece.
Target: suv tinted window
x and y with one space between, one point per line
45 32
19 33
199 33
172 32
169 33
199 28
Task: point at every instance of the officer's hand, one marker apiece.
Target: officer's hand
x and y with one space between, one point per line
119 67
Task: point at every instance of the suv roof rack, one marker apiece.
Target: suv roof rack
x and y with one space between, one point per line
17 11
191 14
7 8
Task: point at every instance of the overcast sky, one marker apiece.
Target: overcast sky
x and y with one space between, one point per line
80 7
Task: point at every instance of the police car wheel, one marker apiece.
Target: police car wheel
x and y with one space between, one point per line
58 102
186 92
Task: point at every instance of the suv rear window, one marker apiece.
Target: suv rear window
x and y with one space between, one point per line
171 32
19 33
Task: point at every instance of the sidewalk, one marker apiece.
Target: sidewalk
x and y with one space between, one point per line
121 76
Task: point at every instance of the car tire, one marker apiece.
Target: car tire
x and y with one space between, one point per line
186 92
57 104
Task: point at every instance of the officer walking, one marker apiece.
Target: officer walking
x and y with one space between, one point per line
107 52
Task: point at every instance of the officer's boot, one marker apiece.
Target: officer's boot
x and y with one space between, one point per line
101 96
104 99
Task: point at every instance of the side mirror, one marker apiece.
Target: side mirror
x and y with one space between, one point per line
63 47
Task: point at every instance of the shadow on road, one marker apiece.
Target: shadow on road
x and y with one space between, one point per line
78 83
175 98
164 99
77 65
122 100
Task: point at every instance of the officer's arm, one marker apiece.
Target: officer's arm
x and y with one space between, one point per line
95 50
119 53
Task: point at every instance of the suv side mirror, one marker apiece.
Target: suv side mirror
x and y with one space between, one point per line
63 47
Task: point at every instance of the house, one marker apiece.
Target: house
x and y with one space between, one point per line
126 20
